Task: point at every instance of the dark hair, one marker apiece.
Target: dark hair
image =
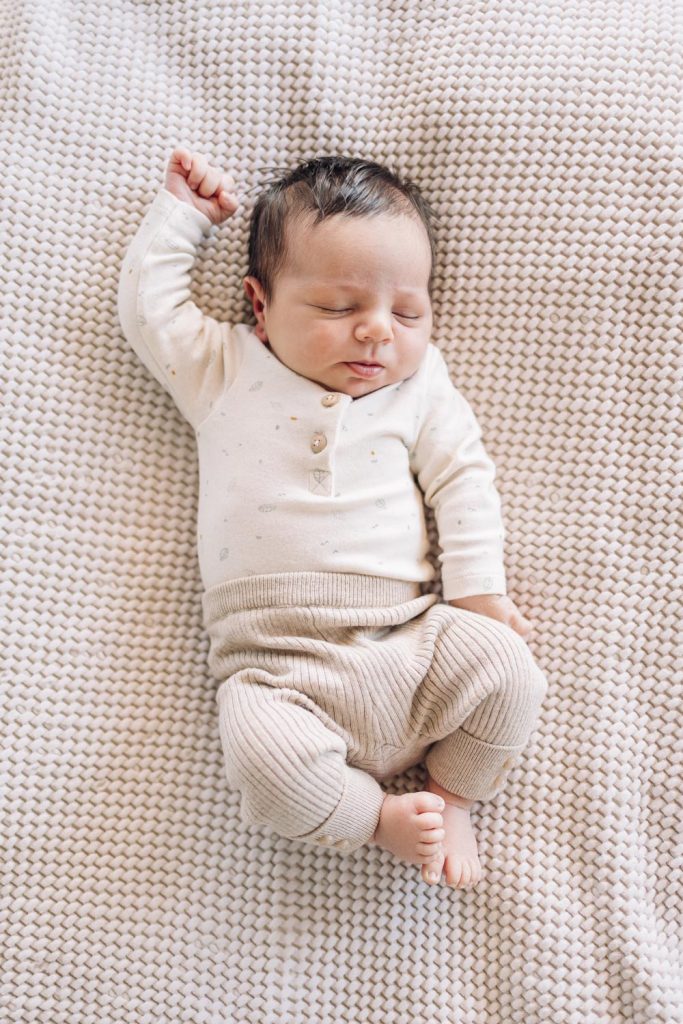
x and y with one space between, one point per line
327 185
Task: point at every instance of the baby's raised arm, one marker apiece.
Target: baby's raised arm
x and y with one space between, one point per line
191 354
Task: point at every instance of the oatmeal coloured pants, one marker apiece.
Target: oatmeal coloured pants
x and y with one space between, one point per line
331 682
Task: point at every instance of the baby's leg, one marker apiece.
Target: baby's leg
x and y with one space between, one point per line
291 770
493 668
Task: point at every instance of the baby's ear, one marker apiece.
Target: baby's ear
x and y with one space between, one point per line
254 289
255 294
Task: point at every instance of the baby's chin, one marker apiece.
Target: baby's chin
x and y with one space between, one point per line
342 381
356 387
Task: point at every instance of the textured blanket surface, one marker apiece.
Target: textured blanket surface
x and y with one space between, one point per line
547 135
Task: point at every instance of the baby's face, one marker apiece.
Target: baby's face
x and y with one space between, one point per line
354 289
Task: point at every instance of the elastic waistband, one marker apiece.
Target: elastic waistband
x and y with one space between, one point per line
306 589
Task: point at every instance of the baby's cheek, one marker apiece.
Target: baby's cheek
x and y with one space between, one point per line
327 344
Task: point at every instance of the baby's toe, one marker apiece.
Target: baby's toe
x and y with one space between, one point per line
431 838
454 872
427 854
431 873
430 820
462 874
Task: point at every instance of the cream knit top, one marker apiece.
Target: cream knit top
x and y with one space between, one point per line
291 476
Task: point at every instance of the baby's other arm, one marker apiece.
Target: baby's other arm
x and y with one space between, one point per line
457 476
190 354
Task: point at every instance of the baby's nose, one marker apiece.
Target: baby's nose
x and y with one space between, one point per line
375 328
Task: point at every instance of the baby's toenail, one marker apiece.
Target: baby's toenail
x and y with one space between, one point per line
431 877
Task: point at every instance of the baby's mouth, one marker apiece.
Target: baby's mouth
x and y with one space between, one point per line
366 369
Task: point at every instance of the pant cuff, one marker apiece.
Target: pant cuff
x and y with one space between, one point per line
470 767
354 821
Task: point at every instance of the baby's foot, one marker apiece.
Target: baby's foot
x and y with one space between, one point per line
410 826
459 858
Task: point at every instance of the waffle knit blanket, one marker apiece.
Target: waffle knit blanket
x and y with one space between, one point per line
547 135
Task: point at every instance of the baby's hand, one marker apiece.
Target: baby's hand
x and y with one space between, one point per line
496 606
190 178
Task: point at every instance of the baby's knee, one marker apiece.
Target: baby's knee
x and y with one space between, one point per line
287 766
516 670
291 796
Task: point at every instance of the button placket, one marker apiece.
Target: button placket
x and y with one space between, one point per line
320 477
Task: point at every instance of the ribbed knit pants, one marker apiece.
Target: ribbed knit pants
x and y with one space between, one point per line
331 682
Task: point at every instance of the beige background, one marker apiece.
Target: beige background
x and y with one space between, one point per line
545 134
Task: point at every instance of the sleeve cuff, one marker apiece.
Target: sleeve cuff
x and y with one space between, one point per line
470 586
166 202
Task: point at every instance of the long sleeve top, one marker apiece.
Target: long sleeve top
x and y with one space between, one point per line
292 476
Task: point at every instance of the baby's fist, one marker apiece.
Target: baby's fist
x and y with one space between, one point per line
496 606
190 178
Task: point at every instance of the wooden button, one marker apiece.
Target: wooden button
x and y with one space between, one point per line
318 443
329 400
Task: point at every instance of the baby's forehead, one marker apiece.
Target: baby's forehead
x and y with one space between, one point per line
345 239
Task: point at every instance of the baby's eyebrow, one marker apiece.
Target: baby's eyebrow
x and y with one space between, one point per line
353 286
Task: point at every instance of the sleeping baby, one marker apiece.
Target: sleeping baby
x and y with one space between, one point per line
323 430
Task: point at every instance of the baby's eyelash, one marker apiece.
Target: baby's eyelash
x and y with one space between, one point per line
404 316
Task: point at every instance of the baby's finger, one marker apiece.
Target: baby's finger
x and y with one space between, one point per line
209 183
521 625
183 157
228 191
200 165
227 200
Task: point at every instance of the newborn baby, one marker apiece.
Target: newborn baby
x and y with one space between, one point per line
322 431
